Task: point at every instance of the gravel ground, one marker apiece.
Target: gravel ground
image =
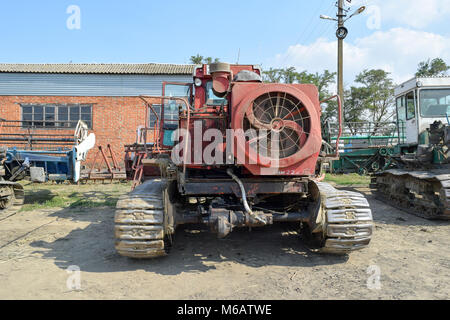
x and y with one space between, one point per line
36 248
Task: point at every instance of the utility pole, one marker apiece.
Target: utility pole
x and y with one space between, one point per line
341 34
340 65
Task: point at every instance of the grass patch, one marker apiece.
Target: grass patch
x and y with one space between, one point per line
50 196
72 203
56 202
348 179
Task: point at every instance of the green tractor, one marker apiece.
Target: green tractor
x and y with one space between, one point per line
419 181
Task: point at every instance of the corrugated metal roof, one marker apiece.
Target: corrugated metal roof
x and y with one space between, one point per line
85 85
148 68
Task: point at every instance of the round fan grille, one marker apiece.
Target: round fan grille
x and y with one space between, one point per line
279 125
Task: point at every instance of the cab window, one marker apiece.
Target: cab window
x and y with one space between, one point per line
401 109
211 98
401 117
172 107
435 103
410 106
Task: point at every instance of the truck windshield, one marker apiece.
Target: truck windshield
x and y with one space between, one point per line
435 103
211 98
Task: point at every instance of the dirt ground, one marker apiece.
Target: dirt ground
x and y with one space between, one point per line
37 246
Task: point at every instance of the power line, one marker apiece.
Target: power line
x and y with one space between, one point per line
307 30
324 28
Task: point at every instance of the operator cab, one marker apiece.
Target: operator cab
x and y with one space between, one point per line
200 94
204 94
170 109
420 102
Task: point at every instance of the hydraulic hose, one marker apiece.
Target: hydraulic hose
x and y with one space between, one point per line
244 196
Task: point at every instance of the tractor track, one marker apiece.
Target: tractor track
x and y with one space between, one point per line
139 222
424 194
349 222
16 199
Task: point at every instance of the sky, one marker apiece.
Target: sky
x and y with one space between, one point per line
394 35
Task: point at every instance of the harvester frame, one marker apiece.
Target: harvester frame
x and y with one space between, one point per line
169 190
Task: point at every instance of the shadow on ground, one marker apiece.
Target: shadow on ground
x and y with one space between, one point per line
195 248
38 196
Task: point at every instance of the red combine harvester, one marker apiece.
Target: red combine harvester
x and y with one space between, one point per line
239 153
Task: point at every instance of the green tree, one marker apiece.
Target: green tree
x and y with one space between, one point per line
354 110
372 101
321 80
199 59
430 68
272 76
283 75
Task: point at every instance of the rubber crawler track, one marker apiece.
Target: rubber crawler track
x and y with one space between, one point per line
349 222
139 222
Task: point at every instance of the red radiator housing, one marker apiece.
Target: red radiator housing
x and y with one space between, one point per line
292 111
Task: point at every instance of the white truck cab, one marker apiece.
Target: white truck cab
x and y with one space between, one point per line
420 102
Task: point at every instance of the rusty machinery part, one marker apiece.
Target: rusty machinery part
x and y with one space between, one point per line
337 222
97 170
423 193
244 197
340 222
221 73
11 198
144 221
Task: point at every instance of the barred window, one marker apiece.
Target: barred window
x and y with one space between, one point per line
153 119
56 115
171 112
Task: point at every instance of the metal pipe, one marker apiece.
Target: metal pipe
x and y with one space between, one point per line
367 138
339 121
291 217
244 196
37 139
241 186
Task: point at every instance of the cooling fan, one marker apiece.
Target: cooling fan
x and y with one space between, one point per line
281 125
278 125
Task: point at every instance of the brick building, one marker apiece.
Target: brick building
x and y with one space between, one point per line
53 97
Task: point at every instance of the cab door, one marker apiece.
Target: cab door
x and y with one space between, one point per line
412 135
170 109
401 119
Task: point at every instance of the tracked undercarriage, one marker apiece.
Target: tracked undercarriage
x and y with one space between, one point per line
422 193
334 221
421 183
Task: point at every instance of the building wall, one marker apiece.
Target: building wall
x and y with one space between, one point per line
115 119
117 110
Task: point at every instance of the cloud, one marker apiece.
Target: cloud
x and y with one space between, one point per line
398 51
411 13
